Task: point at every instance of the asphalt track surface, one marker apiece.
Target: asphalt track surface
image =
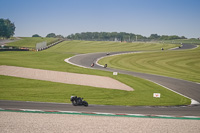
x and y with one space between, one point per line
189 89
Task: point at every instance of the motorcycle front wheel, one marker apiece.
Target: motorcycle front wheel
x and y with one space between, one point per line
85 103
74 103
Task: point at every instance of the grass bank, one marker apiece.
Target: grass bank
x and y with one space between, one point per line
183 64
101 46
30 42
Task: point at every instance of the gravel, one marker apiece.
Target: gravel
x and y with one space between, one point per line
14 122
64 77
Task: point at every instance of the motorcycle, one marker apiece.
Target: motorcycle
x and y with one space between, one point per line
78 101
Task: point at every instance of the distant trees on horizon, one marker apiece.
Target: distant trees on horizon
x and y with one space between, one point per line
113 36
121 36
36 35
52 35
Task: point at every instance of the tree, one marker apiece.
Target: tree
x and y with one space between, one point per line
60 36
7 28
173 37
53 35
183 37
154 36
36 35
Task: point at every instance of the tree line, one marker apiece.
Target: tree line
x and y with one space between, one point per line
52 35
7 28
121 36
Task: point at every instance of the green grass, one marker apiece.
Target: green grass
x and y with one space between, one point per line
13 88
30 42
100 46
178 64
35 90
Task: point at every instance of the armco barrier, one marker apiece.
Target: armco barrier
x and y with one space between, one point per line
14 49
48 46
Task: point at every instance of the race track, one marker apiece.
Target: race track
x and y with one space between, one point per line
186 88
189 89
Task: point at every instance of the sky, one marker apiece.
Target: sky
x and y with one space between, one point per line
65 17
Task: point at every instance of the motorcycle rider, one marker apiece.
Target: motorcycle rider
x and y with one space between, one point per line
78 101
92 64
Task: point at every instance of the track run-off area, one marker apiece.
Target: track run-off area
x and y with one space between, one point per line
188 89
